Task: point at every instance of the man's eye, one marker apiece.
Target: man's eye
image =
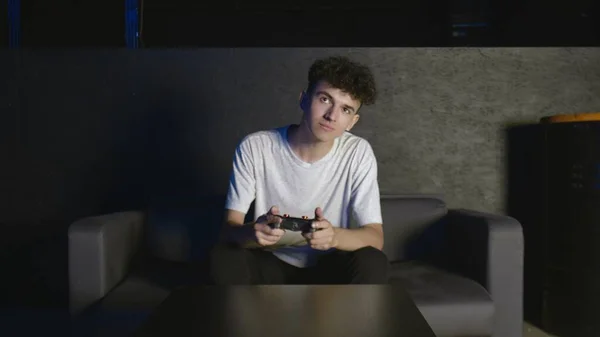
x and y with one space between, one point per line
324 99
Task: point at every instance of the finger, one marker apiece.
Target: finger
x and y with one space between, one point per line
274 219
321 241
263 228
315 225
263 219
319 213
262 237
277 232
321 234
321 225
271 239
265 243
274 210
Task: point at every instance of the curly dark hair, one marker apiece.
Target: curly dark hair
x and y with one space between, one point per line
342 73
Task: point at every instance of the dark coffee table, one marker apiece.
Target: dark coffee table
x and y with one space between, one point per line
287 310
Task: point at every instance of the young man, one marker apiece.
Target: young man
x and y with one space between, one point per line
316 169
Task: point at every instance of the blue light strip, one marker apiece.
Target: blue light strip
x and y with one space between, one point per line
131 23
14 23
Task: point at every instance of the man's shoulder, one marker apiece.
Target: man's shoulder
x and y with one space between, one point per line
263 137
350 142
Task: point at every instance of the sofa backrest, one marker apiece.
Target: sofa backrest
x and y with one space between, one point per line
183 234
405 218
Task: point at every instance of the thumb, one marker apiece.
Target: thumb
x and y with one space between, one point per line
274 210
319 213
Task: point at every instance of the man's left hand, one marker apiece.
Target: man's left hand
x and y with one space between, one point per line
323 238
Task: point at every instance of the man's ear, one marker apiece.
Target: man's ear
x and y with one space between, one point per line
354 121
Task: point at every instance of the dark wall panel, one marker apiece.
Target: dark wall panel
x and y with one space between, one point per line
412 25
9 127
77 23
68 23
3 24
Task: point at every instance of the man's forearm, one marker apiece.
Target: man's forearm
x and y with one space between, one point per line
238 234
354 239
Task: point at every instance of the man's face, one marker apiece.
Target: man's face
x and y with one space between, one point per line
328 111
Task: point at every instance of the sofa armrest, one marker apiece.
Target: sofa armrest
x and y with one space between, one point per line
101 249
488 248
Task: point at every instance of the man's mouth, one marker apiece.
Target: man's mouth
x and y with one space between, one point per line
326 127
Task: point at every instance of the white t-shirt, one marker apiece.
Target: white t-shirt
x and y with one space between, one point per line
343 183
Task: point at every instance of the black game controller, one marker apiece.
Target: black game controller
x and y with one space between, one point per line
303 224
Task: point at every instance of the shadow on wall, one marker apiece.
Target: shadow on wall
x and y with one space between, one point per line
156 166
148 166
168 171
525 202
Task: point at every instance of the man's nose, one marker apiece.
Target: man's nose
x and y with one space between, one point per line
331 114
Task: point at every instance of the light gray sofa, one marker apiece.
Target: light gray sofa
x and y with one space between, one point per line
464 269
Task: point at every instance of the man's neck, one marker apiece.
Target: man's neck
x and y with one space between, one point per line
304 144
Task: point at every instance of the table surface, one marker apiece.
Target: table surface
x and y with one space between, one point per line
287 310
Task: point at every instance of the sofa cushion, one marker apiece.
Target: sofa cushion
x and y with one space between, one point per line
405 218
150 281
122 310
135 293
451 304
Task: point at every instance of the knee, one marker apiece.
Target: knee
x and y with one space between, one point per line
372 263
371 256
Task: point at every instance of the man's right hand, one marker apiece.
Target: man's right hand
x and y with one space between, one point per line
264 233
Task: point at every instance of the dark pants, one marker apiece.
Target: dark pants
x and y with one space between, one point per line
231 265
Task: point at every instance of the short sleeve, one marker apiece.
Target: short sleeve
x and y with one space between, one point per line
366 201
242 181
